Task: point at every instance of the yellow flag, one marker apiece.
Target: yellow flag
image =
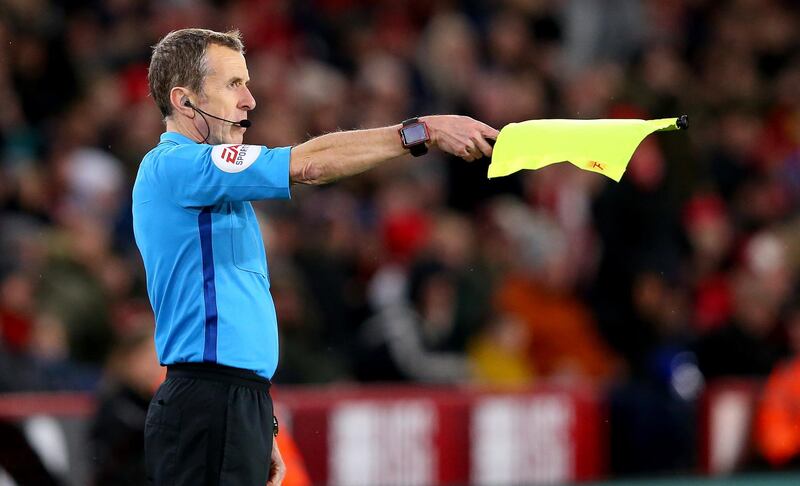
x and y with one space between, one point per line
603 146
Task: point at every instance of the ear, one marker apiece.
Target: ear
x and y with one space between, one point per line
178 97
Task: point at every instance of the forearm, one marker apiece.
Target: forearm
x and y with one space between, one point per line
341 154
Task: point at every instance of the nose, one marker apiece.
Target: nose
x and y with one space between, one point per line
247 102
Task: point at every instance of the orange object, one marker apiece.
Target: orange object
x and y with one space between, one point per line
777 425
296 474
563 338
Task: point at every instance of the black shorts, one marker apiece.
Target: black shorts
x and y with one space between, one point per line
209 425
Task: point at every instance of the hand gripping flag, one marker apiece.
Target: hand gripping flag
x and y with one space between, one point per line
603 146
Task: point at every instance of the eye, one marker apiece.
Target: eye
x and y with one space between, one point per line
236 83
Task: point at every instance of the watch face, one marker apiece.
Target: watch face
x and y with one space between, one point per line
415 133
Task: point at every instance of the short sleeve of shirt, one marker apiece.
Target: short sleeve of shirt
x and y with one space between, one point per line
203 175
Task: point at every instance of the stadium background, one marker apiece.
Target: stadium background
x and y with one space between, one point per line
664 307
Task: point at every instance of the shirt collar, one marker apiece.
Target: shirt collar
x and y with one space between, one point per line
176 137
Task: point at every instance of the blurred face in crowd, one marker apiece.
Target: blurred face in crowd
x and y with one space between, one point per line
225 94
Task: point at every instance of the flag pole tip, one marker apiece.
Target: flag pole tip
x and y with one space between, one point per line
683 122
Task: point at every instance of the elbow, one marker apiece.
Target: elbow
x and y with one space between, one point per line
308 173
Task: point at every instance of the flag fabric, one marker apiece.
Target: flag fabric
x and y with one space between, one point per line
602 146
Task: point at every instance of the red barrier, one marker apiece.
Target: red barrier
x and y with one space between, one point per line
417 435
18 406
413 435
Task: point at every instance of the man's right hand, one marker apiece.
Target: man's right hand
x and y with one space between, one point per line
461 136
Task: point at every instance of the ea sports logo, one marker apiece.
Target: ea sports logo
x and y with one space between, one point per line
234 157
231 153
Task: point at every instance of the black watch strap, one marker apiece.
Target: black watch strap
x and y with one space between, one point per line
418 150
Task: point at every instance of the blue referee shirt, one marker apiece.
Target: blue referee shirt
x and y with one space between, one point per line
207 274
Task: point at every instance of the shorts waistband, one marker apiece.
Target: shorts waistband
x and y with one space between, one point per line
220 373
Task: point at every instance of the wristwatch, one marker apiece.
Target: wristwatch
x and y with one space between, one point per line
414 135
275 426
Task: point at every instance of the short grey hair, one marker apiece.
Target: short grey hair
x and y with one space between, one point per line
179 59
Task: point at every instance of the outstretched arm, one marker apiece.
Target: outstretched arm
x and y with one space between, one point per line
341 154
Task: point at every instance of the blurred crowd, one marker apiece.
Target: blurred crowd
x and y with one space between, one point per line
423 270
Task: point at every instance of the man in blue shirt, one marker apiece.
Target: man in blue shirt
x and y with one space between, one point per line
211 421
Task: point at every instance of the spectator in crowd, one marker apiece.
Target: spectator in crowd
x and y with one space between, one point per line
408 340
117 430
304 356
538 292
654 411
710 235
750 343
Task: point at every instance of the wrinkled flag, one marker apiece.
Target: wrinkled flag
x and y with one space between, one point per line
602 146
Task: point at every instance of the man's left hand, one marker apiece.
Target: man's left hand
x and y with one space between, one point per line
277 468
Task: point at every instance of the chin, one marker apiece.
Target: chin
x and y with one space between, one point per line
229 140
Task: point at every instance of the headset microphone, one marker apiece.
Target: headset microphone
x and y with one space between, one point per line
240 123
